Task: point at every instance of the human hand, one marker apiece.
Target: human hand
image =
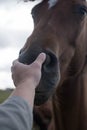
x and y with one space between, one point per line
22 73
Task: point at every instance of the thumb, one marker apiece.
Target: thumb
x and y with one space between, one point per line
40 59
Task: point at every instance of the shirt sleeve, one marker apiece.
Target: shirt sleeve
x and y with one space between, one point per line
15 114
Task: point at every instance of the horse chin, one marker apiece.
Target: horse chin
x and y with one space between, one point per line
46 88
41 98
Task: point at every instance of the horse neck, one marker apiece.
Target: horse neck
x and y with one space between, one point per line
70 104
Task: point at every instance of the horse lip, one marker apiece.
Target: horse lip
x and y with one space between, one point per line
41 98
41 92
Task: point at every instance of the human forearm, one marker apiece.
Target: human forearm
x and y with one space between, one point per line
15 114
26 90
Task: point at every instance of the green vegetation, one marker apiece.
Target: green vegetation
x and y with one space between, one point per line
4 94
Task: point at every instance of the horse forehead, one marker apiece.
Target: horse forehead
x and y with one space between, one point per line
52 3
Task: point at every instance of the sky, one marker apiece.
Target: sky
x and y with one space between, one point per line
16 25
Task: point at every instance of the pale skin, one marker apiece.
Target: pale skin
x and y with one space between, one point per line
26 78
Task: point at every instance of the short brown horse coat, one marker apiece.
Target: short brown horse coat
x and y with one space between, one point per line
63 30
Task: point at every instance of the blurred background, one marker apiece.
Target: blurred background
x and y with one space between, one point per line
16 25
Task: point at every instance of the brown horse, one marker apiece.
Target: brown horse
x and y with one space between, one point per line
60 30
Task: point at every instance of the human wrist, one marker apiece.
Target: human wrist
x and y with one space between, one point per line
27 83
26 90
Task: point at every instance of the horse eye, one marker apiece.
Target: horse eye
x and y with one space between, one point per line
81 9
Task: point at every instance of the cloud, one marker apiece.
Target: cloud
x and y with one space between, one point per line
6 80
16 25
7 56
13 38
7 1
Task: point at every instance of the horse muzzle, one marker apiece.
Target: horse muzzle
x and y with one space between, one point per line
50 73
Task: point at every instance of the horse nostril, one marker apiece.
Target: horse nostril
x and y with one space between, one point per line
47 61
51 62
